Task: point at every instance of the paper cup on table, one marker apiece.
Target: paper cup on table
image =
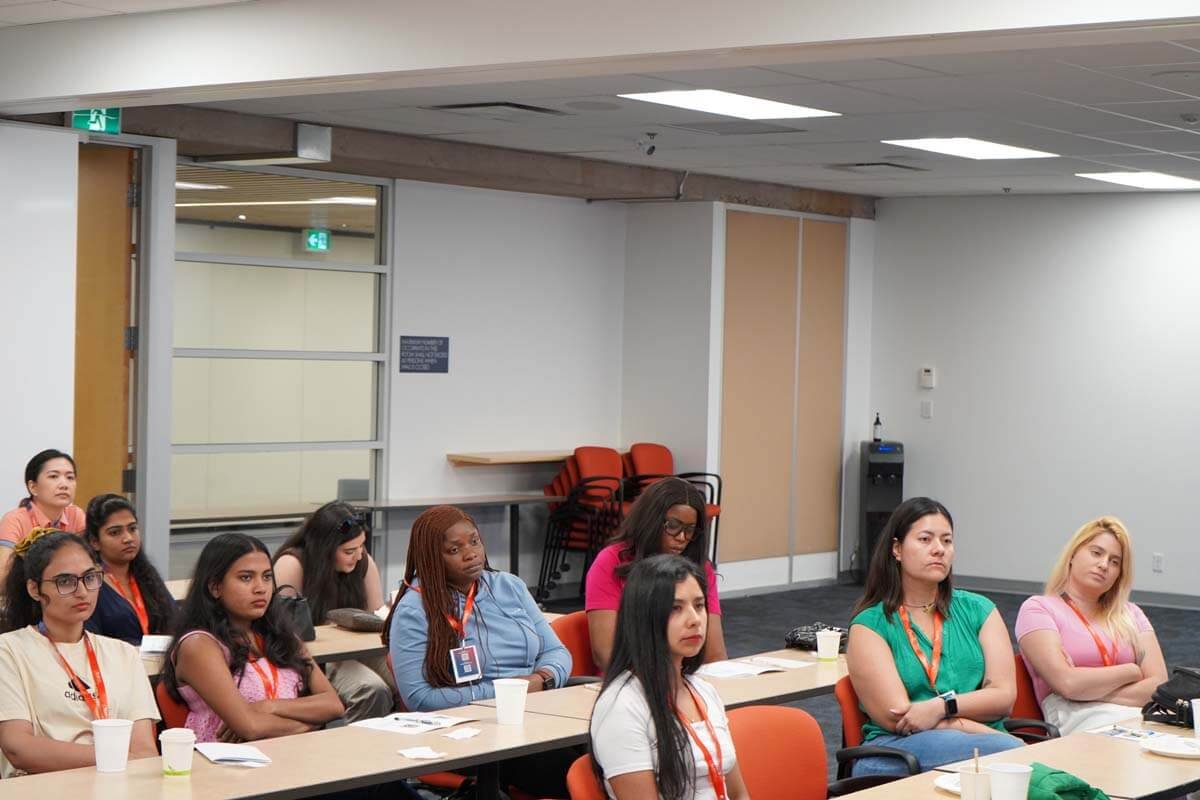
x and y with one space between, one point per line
1009 781
975 785
828 644
510 700
177 747
111 740
1196 718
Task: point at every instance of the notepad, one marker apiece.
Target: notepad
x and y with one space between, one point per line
734 669
412 723
420 753
155 645
781 663
244 755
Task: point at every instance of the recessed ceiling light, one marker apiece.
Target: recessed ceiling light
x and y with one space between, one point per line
242 217
966 147
729 104
1142 180
320 201
198 186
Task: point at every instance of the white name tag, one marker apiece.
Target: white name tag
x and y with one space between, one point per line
465 662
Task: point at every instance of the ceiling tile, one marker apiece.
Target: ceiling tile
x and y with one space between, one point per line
1187 165
842 71
940 92
52 11
412 121
1075 85
1182 77
1166 141
613 85
842 99
982 63
1124 55
141 6
732 78
547 141
1171 112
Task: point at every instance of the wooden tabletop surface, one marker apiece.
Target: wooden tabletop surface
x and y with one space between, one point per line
311 763
508 457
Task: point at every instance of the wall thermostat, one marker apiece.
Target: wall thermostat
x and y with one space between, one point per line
928 377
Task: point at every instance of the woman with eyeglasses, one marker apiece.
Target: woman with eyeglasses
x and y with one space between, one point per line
668 518
326 560
134 601
55 678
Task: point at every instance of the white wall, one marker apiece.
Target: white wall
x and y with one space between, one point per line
529 290
860 276
39 184
668 286
1066 336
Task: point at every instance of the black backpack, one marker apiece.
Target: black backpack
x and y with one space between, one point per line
1171 703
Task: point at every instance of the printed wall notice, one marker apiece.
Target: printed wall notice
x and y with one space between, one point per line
424 353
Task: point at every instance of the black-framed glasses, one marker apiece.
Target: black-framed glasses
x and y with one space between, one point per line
67 583
676 528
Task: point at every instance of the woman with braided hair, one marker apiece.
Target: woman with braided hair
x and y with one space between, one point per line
458 625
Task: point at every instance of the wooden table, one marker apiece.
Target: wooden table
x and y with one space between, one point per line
313 763
332 644
575 702
508 457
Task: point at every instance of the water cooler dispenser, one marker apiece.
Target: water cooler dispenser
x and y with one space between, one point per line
882 466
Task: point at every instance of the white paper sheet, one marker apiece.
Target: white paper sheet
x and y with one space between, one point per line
734 669
413 723
420 752
463 733
245 755
155 645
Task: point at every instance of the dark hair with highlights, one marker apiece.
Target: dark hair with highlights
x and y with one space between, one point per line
19 608
883 575
160 605
315 544
202 611
641 647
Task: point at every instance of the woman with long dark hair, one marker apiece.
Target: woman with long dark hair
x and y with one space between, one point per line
658 730
931 664
134 601
326 559
55 678
458 625
668 517
236 661
50 503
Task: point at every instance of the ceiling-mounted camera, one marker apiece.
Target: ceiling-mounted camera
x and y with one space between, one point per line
646 143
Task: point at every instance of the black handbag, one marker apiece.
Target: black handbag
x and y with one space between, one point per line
805 636
355 619
1171 703
295 606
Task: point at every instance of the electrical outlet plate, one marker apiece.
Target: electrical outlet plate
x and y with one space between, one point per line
1156 562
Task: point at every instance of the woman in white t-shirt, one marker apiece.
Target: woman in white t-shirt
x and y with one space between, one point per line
55 679
657 729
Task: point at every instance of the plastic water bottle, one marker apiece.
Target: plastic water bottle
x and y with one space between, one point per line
877 429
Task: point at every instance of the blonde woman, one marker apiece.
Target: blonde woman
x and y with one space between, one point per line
1092 654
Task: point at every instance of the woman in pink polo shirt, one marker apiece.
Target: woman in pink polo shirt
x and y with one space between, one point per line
668 517
1092 654
50 481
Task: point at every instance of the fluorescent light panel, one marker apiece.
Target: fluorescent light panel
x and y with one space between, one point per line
320 201
1142 180
729 104
966 147
198 186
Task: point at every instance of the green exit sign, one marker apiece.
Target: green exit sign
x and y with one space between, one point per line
97 120
316 240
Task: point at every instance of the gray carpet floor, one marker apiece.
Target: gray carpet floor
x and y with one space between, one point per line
758 623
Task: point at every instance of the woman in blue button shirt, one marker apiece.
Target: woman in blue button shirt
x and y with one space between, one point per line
450 601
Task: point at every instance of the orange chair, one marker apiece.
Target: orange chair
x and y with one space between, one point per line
174 713
582 783
653 462
1026 708
572 631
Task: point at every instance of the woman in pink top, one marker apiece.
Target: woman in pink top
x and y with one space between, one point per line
1092 654
668 517
50 481
237 663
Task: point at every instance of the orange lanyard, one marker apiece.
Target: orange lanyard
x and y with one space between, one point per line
1106 658
714 767
270 685
134 598
98 707
459 625
931 669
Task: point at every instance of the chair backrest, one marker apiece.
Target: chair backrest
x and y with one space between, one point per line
652 459
1026 705
781 752
174 713
627 470
853 717
572 630
582 783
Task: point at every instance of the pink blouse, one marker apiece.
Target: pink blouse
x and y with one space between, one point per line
604 587
204 721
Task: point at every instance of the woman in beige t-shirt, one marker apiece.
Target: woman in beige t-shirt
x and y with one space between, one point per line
55 678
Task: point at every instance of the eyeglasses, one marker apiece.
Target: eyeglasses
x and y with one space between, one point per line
675 528
67 584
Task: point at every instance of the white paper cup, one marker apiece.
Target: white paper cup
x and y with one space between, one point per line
1009 781
828 643
510 700
177 746
975 785
111 738
1196 718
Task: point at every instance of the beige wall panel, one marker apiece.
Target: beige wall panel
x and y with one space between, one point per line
821 367
761 253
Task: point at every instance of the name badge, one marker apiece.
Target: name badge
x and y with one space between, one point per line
465 662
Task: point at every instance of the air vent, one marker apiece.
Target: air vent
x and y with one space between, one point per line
505 112
747 127
876 168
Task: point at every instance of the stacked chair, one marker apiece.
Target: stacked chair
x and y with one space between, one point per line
599 485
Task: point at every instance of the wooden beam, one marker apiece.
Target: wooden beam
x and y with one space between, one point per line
209 132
